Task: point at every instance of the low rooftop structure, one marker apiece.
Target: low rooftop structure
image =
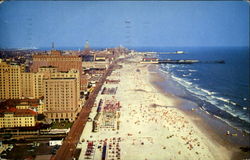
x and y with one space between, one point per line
18 112
13 117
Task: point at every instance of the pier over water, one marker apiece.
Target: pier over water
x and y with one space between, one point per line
187 61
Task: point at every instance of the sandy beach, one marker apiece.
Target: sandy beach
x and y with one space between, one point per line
149 124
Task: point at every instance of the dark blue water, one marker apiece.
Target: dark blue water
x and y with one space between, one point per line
220 89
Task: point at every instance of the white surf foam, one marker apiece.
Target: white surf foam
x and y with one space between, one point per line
210 97
192 70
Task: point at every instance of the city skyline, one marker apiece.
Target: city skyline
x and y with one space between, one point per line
131 24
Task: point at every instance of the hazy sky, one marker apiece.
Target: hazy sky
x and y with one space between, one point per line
107 24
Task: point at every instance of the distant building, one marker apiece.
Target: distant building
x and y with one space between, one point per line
86 50
10 79
100 58
13 117
63 63
95 65
99 61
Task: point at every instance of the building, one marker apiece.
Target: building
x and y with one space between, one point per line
95 65
60 91
10 79
61 99
13 117
51 72
15 84
63 63
56 59
33 104
57 81
27 85
31 85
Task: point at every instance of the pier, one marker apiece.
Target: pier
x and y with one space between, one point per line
176 52
169 61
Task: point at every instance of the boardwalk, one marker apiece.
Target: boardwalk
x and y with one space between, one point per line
66 151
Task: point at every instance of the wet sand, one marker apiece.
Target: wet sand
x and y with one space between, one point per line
215 129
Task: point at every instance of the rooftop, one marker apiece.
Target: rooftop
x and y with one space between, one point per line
18 112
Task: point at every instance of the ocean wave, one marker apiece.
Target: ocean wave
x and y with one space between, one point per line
244 117
227 107
226 100
223 99
233 103
163 71
207 99
211 98
192 70
207 92
166 67
203 108
240 115
227 122
181 81
186 75
224 120
207 112
229 110
196 79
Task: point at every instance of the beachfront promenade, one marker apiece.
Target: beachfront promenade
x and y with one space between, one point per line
146 125
67 150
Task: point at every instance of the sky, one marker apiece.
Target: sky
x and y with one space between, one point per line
27 24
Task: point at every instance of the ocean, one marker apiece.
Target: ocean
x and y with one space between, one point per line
221 90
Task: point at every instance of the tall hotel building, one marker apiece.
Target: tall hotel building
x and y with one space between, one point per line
32 85
60 90
61 99
10 79
15 84
61 93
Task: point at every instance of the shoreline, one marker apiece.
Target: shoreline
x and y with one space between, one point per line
214 128
149 123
